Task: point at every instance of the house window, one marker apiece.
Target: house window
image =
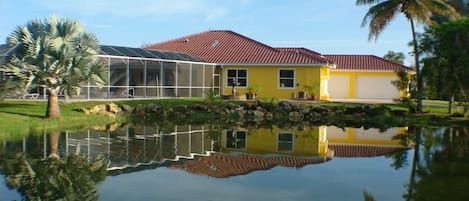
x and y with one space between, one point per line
236 139
286 78
285 141
239 76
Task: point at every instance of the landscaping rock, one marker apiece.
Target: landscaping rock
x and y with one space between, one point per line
295 116
127 108
113 108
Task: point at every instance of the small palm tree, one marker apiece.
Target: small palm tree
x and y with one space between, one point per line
56 54
383 11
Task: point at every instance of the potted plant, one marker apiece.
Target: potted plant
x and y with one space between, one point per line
311 89
252 91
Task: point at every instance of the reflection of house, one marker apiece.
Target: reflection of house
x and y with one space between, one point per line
281 72
308 142
244 151
358 142
205 150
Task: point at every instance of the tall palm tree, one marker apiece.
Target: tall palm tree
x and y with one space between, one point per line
383 11
55 53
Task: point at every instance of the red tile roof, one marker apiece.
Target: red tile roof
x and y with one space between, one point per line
228 47
356 151
221 165
365 63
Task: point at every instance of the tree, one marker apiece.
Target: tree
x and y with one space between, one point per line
452 39
383 11
56 54
397 57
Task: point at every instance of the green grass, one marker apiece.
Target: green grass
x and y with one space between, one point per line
28 117
20 117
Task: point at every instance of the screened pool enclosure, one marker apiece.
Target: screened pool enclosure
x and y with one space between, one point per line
143 73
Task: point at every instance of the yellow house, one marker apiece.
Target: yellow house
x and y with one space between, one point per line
287 72
247 64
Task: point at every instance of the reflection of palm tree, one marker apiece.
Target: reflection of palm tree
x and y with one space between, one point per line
367 196
442 169
71 178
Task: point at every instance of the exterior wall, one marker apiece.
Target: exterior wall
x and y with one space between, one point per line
355 84
267 79
307 142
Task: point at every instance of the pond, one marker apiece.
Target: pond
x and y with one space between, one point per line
213 162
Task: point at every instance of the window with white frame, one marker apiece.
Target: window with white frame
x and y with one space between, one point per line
285 141
286 78
236 139
238 76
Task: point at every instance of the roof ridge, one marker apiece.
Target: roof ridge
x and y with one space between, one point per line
250 39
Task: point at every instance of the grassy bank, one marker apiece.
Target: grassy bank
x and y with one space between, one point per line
24 117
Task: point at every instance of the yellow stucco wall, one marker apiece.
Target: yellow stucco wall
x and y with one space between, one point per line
307 142
267 79
352 75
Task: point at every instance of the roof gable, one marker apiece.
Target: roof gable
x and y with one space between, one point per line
365 63
228 47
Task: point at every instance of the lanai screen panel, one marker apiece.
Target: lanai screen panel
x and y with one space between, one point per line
153 87
169 79
136 78
184 80
197 80
119 77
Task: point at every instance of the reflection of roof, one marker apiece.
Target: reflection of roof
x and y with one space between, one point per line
228 47
222 165
350 151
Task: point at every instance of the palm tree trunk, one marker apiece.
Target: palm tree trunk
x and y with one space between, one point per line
53 144
417 67
53 110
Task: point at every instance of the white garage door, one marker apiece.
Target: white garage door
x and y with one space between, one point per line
338 86
375 87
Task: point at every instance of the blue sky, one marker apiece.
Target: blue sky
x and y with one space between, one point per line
328 27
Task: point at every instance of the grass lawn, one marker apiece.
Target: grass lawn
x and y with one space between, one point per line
26 117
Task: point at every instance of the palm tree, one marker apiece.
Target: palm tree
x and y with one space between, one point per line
383 11
56 54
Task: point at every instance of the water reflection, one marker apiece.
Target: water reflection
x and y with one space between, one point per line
437 166
135 148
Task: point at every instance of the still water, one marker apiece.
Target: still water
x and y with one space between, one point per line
210 162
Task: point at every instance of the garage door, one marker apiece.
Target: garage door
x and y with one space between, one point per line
375 87
338 86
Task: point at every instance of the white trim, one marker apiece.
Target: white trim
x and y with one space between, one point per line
292 140
154 59
276 64
278 78
226 78
364 71
236 131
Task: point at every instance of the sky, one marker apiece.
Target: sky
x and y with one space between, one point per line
324 26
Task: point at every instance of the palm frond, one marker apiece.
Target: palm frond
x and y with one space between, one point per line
379 16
